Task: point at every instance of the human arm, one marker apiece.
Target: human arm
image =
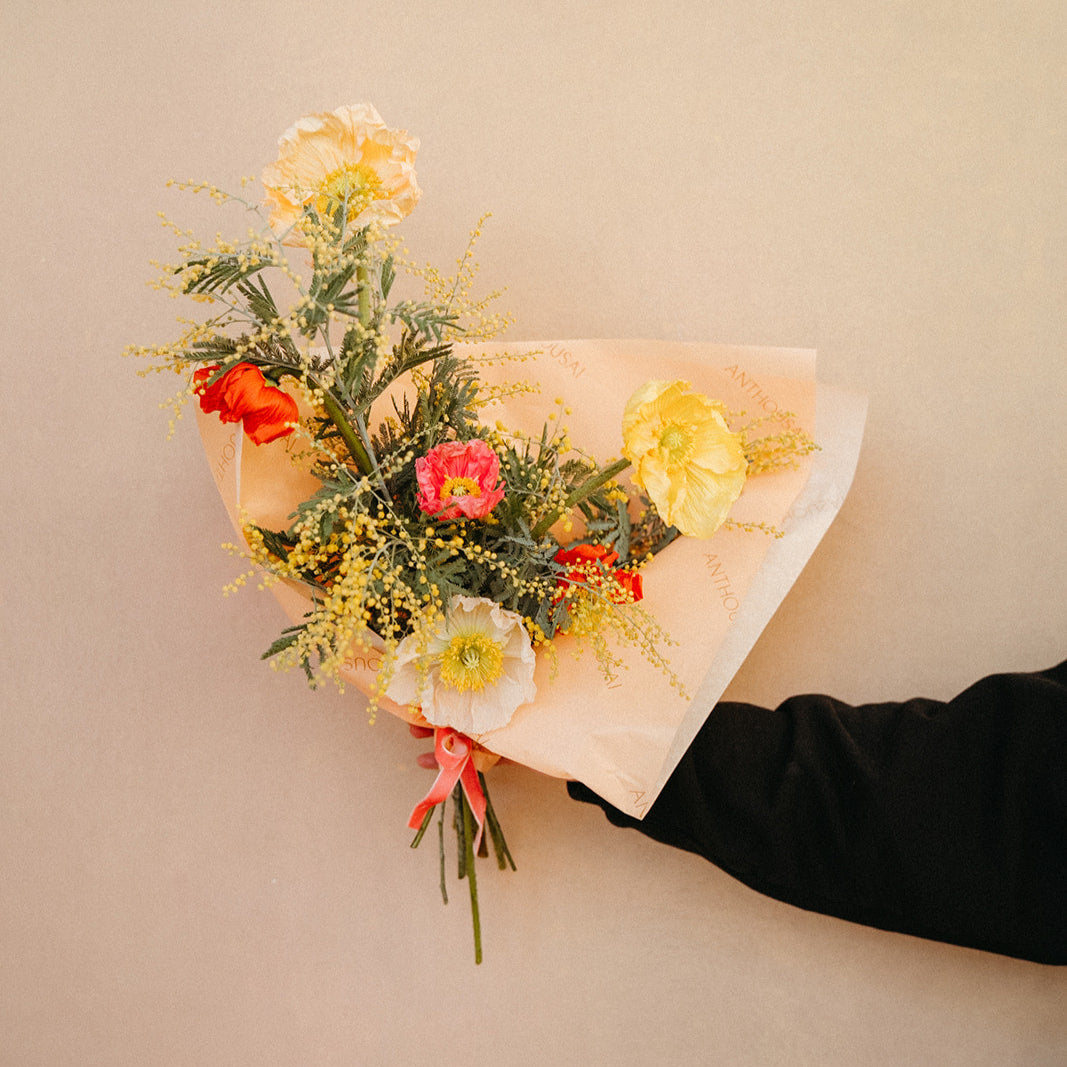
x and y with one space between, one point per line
946 820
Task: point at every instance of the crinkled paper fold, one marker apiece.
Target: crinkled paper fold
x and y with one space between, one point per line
623 736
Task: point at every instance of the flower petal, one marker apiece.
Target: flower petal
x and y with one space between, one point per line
685 456
417 675
318 147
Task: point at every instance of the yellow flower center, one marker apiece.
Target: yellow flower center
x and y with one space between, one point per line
676 440
354 184
460 487
472 661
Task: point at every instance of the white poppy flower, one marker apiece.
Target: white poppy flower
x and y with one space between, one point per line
473 671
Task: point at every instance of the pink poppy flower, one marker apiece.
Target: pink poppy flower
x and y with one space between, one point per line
459 479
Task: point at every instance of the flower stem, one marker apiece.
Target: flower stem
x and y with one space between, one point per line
422 829
363 286
468 844
496 832
441 850
347 432
586 489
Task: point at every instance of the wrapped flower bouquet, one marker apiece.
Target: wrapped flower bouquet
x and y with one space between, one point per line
564 571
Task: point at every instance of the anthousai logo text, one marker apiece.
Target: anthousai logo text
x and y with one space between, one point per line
721 580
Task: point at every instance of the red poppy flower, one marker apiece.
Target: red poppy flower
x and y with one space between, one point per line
631 582
587 561
243 395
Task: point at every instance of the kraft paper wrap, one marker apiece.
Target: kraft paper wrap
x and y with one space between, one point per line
623 736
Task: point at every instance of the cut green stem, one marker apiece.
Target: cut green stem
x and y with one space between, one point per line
441 850
496 832
468 845
422 829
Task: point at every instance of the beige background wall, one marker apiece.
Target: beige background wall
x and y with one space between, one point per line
204 863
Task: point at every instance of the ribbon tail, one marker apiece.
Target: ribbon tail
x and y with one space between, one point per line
452 763
453 754
475 797
439 791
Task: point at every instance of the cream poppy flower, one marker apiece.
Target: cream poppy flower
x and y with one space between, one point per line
691 464
472 673
343 156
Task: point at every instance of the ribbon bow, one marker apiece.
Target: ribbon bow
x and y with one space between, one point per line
453 754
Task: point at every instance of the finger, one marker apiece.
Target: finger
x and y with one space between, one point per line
581 792
427 760
420 731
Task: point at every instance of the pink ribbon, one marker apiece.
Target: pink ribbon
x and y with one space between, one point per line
453 754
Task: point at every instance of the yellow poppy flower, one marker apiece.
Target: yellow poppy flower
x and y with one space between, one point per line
684 456
343 157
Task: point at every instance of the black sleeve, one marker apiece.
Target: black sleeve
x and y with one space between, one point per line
943 820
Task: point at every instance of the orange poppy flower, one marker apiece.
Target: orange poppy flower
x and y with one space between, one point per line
588 563
243 395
